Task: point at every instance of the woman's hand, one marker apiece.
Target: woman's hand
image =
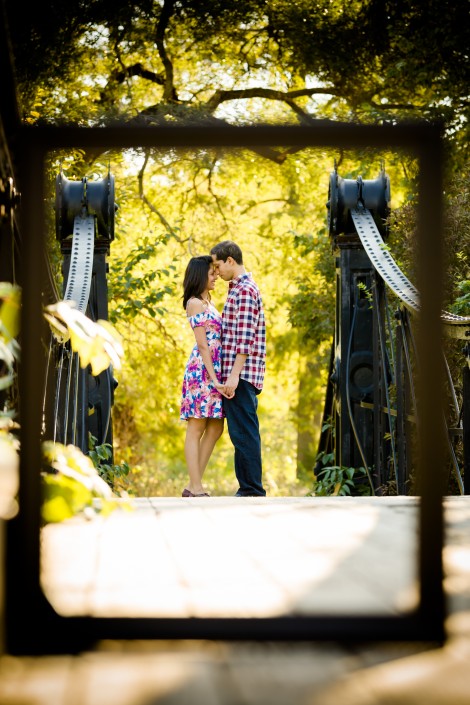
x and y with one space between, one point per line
223 390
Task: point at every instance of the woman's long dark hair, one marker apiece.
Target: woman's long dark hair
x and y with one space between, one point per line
195 277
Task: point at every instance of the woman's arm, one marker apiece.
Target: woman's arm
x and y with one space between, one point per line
194 307
201 340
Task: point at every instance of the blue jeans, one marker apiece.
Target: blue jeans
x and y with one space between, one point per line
243 428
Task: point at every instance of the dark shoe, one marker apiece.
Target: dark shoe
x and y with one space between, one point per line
239 494
187 493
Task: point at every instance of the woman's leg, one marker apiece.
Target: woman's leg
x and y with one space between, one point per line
211 435
192 446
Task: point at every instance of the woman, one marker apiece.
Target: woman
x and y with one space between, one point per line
201 400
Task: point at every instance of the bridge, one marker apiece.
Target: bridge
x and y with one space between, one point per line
370 413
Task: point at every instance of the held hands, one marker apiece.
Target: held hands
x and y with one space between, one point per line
231 384
226 390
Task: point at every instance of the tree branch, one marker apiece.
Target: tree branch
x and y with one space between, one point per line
266 200
137 70
214 195
149 204
243 94
188 115
396 106
169 91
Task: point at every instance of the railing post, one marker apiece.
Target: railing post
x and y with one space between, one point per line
466 419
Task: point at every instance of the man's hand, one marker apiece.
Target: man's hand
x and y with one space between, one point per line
222 388
231 384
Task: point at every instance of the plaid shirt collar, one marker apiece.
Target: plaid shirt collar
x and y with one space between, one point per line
237 280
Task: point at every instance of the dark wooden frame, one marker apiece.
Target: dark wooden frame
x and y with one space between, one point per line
32 625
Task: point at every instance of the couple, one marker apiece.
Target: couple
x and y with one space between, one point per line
225 370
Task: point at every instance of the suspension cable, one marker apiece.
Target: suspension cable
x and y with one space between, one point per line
455 462
404 318
60 368
387 395
77 291
390 333
108 415
67 395
46 377
452 389
75 398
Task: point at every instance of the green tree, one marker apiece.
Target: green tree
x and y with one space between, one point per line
247 61
182 60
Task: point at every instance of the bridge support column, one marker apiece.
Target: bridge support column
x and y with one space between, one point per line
466 420
353 374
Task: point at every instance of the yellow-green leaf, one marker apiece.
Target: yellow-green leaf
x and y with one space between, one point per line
10 310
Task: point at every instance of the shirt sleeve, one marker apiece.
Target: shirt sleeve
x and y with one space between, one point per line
247 319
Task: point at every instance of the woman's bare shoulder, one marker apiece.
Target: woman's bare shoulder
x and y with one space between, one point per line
194 306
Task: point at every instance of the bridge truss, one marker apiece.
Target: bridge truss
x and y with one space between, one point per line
370 414
77 404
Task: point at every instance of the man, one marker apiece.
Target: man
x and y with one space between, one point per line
243 365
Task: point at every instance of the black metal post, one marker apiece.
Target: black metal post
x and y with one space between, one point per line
354 376
466 419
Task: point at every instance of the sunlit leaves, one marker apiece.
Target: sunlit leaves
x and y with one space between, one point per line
10 295
461 305
10 298
70 461
98 344
95 62
137 285
73 484
9 474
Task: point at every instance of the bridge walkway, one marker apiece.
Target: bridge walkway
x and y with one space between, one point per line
235 557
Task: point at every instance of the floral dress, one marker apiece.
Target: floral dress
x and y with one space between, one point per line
199 398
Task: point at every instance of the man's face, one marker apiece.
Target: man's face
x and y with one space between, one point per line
224 269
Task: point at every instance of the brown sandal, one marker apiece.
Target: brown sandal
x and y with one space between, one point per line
187 493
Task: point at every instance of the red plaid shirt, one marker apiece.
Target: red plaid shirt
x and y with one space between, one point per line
244 330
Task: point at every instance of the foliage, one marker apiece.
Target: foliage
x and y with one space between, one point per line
461 305
97 342
114 475
70 479
148 43
10 297
9 473
71 483
10 301
184 61
456 232
338 481
312 306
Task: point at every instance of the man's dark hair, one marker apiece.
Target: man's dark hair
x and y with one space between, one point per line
195 277
225 249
